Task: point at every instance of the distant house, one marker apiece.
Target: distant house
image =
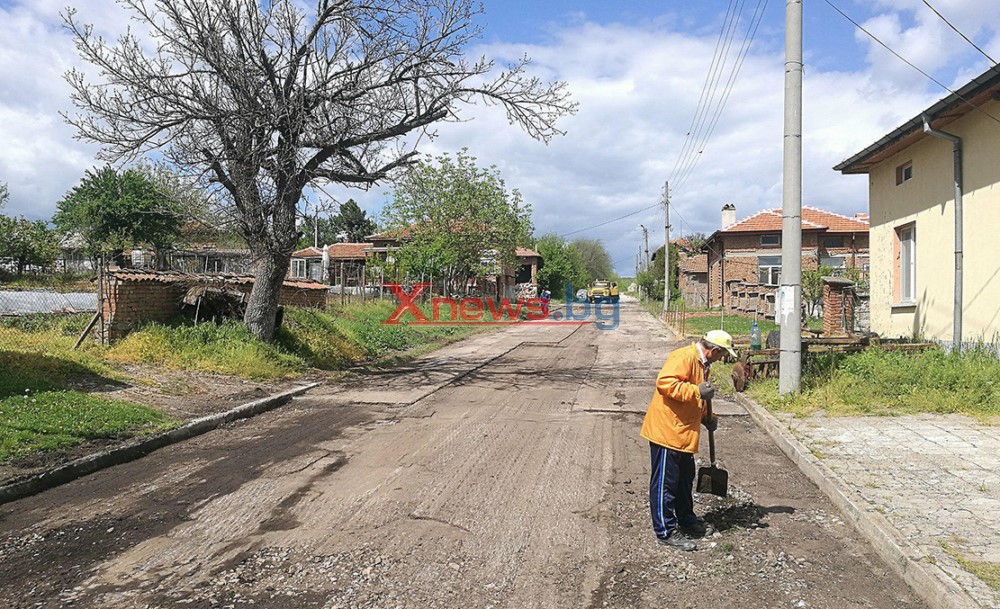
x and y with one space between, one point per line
343 259
518 281
692 280
744 258
911 177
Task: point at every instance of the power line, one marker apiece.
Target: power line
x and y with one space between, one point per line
957 31
606 222
755 20
709 86
904 60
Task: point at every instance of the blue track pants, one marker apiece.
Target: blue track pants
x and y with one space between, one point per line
671 482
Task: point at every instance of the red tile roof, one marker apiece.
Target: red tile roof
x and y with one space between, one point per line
524 252
694 264
337 251
348 251
197 278
769 220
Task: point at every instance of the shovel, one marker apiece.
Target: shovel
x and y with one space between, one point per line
711 479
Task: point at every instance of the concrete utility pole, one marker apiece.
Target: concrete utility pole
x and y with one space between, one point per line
790 291
666 247
645 241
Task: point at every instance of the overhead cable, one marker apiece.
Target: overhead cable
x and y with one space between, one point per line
959 32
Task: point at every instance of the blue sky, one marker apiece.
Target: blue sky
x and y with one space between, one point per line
635 67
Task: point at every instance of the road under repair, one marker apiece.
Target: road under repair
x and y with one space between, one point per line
503 471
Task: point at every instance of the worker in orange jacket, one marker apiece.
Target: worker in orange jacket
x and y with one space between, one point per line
672 426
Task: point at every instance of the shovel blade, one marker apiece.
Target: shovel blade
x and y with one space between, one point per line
713 481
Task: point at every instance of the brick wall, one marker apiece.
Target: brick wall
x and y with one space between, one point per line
838 306
694 289
128 304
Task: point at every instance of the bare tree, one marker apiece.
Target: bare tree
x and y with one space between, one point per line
263 101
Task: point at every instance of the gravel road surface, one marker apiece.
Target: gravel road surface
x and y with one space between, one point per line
505 471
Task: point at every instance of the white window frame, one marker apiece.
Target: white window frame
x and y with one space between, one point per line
908 264
770 273
299 268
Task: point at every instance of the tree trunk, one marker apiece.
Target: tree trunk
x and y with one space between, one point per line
269 275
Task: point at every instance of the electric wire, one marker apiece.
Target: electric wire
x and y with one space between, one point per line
606 222
721 48
904 60
748 38
959 32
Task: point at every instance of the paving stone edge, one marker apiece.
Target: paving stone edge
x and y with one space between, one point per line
36 483
929 581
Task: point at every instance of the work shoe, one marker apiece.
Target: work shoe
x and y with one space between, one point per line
678 539
698 529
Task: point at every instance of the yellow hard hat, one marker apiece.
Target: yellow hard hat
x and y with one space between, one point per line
721 338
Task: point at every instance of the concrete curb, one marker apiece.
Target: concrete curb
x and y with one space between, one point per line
136 449
929 581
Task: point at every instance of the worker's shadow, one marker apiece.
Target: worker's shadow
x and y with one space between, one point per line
743 515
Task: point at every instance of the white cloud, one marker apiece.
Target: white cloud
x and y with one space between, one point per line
638 88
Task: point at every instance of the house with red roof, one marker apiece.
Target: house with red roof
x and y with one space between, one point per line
743 257
342 259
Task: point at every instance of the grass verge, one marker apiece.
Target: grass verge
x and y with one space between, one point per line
37 412
877 382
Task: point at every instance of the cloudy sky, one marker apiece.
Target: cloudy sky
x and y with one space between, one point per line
637 69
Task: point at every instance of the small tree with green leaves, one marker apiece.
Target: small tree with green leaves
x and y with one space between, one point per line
27 244
115 211
456 220
812 287
595 258
561 266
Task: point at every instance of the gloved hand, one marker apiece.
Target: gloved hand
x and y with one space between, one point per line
711 423
706 391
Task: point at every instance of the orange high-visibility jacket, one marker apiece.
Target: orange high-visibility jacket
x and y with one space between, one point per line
674 416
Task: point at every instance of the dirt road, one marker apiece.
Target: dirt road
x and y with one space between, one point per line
504 471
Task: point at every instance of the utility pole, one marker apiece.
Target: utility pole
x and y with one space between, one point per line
316 228
666 245
645 240
790 291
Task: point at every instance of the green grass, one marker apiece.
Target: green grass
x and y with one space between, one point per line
736 325
38 412
876 382
60 282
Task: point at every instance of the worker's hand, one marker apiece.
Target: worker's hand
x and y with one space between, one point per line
706 391
711 423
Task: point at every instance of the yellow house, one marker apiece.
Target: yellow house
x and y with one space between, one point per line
925 258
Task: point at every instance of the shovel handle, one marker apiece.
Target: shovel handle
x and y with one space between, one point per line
711 435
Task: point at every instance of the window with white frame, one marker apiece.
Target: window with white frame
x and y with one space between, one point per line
770 269
298 268
907 264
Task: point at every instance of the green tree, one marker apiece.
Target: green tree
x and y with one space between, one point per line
561 266
651 279
596 261
4 194
27 244
456 220
353 222
812 287
265 99
115 211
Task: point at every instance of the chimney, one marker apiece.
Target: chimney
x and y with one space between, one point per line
728 215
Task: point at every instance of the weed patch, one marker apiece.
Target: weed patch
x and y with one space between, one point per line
884 383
